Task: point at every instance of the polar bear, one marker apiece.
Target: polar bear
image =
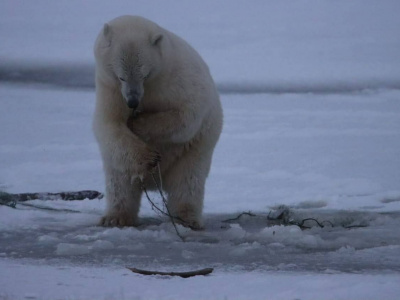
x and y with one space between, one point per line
156 105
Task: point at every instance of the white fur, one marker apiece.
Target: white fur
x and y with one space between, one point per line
179 116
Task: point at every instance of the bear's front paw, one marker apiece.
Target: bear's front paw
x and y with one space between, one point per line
117 221
149 161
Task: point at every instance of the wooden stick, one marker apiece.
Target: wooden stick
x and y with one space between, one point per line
202 272
68 196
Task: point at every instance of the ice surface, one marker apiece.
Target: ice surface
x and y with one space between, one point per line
329 157
310 92
71 249
330 151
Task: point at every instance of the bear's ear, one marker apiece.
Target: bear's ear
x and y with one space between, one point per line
156 39
107 32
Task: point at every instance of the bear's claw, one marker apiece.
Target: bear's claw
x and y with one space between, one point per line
116 221
187 217
153 159
194 225
156 160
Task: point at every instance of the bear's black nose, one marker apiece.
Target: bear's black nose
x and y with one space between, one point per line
132 98
132 102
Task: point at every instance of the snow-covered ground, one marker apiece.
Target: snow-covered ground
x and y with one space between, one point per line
310 91
330 157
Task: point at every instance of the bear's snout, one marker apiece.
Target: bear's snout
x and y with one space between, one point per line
132 98
132 101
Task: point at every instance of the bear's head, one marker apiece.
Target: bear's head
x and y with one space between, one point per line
128 54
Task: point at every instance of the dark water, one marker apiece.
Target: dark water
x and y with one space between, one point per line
81 76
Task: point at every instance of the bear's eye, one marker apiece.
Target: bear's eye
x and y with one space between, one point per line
120 78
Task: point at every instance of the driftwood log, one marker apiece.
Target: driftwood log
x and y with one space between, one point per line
202 272
68 196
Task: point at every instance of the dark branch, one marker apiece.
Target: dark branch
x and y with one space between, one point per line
155 207
239 216
202 272
68 196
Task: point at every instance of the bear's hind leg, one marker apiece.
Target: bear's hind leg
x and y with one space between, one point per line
123 200
185 184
